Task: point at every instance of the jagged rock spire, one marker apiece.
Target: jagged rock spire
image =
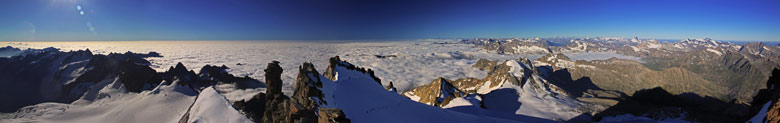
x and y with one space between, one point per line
273 78
299 108
307 86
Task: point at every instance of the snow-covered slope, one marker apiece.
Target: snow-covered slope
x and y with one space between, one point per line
531 100
111 102
116 87
364 100
211 107
532 96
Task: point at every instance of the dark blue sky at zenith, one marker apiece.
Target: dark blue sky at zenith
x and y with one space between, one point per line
45 20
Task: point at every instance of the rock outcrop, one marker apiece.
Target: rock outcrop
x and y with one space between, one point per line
332 115
770 95
390 88
252 108
438 93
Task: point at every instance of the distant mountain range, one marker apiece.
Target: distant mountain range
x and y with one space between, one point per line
715 65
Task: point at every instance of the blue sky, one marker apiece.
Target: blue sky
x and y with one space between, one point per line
46 20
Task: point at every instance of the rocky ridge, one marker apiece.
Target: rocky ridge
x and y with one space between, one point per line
625 76
741 66
51 75
511 77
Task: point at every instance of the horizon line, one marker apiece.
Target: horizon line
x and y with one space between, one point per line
386 40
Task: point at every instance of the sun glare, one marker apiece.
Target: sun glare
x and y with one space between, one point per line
53 3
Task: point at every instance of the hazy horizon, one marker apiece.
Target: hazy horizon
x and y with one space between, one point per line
68 20
394 40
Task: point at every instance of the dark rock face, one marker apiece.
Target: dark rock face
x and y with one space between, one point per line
9 51
659 104
280 108
25 77
769 95
252 108
46 75
138 77
332 115
179 72
133 70
277 109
